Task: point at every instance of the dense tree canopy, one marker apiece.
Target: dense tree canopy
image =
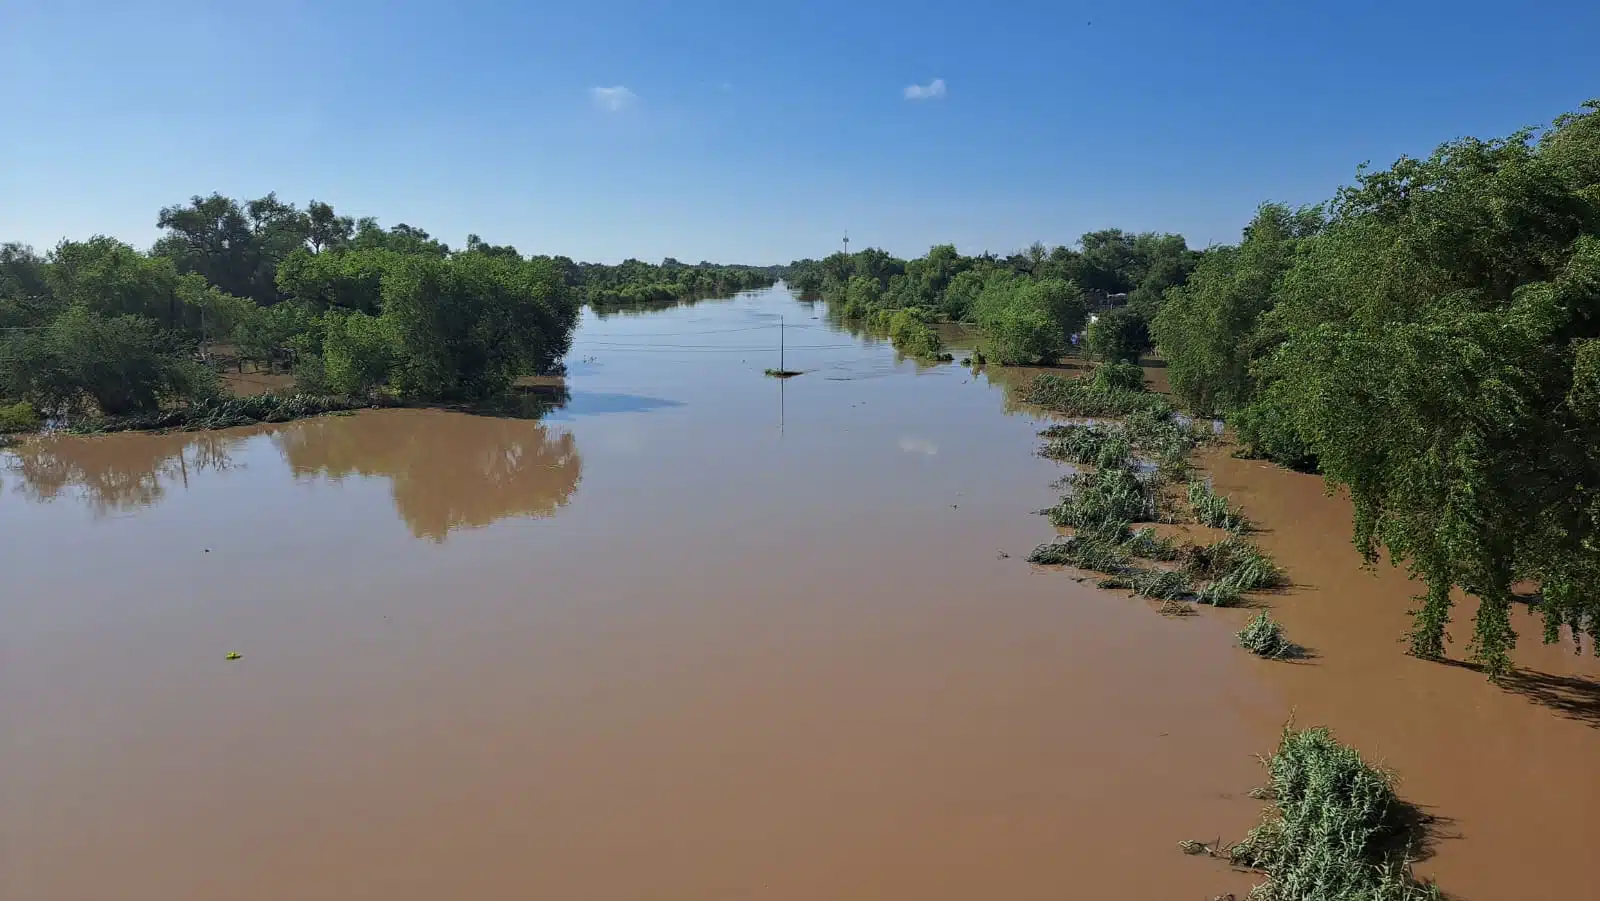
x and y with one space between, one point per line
1432 346
354 308
1027 305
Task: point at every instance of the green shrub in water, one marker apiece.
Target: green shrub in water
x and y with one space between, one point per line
1161 585
1081 553
1212 509
1079 444
910 332
1147 544
222 413
1235 560
1120 376
19 417
1108 494
1223 592
1263 637
1336 830
1082 397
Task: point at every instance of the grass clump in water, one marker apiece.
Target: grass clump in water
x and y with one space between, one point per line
1223 592
1089 397
1081 444
1263 637
222 413
1114 492
1162 585
1234 560
1336 830
1080 552
781 373
911 334
1147 544
1212 509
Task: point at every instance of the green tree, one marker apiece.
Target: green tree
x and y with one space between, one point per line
358 352
121 364
1119 335
1019 321
1437 357
1207 328
468 326
326 230
336 279
109 278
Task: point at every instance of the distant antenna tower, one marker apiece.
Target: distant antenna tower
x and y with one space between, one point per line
847 243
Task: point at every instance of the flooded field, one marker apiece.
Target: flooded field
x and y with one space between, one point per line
695 634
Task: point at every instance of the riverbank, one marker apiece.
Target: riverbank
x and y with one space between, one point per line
1508 772
1504 773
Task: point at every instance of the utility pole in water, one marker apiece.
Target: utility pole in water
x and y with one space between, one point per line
780 345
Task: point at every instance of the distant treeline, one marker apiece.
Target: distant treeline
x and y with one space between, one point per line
1027 305
351 307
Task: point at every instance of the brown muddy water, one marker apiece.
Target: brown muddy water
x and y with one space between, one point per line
697 634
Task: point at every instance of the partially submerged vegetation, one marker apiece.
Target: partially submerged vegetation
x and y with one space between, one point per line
912 334
1105 393
19 417
1027 307
1427 340
1263 636
220 413
1211 509
1131 481
1336 831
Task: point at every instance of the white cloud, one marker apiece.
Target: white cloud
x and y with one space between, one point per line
919 446
614 98
933 90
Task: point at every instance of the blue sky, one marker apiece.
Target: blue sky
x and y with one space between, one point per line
753 131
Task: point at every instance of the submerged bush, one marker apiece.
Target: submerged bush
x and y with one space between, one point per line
19 417
910 332
1024 320
1212 509
1224 592
1336 830
1263 637
1110 494
1233 559
1081 552
1118 376
1161 585
1082 397
1079 444
1147 544
1117 335
221 413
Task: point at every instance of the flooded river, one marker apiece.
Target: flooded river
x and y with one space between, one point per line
695 634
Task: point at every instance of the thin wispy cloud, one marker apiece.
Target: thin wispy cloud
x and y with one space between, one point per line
933 90
613 99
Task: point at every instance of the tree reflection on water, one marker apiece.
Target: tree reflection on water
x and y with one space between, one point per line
119 473
447 470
